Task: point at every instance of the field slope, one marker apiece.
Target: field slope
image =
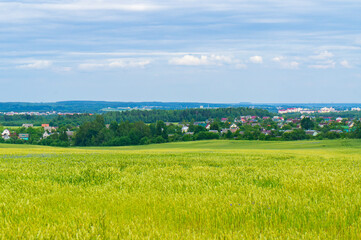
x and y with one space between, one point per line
197 190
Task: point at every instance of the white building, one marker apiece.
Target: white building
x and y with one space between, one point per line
46 134
6 134
234 126
327 110
185 129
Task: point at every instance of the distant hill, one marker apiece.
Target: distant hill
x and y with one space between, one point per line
104 106
101 106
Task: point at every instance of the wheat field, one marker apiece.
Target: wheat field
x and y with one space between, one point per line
188 190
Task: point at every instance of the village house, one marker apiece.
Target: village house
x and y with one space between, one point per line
233 126
24 136
339 119
6 134
46 135
27 125
70 134
321 125
277 119
266 132
312 133
208 127
185 129
213 131
45 125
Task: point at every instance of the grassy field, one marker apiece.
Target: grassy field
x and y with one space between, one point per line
188 190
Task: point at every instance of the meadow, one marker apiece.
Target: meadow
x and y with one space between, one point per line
187 190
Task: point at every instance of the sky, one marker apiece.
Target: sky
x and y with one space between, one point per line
229 51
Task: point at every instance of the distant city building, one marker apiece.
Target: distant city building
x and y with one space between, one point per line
327 110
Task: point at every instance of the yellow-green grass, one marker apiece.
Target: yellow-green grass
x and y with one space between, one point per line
191 190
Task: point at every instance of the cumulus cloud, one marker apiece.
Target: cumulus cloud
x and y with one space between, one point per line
190 60
114 63
256 59
345 64
37 64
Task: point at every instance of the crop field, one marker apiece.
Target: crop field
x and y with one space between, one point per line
187 190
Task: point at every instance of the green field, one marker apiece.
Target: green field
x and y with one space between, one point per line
187 190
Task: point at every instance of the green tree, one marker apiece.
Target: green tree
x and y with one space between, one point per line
307 123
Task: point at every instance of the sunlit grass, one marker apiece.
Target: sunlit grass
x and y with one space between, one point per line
209 190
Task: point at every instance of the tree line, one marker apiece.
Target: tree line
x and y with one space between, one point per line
133 116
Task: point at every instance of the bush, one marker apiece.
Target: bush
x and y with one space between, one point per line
159 139
206 135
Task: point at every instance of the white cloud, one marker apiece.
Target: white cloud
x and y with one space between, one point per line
62 69
345 64
285 64
324 65
90 66
278 59
37 64
256 59
115 63
190 60
124 64
323 55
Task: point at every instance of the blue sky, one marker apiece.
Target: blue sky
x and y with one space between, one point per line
182 50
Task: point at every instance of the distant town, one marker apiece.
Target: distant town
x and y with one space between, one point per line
157 126
310 111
